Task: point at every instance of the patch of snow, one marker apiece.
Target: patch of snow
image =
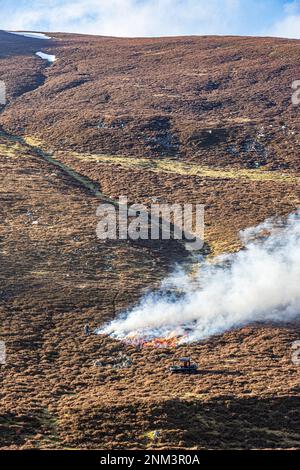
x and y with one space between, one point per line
49 57
30 35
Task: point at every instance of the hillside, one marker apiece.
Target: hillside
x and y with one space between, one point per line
217 101
197 120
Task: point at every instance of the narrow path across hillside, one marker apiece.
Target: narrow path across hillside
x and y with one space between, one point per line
167 165
85 182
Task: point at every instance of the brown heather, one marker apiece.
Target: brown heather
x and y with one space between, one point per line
195 119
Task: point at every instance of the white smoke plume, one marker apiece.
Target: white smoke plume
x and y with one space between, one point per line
260 283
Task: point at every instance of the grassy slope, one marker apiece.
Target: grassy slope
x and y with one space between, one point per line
56 275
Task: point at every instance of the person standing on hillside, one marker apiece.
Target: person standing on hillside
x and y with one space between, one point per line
87 329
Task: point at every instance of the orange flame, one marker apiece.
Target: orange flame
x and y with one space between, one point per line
171 341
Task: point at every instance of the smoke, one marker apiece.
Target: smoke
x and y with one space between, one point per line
260 283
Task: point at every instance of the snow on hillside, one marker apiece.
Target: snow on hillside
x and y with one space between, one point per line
30 35
49 57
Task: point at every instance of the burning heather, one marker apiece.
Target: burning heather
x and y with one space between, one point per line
258 284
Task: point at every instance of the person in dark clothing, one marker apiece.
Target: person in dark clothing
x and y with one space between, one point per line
87 329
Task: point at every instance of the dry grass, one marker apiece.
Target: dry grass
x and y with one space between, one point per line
176 166
154 141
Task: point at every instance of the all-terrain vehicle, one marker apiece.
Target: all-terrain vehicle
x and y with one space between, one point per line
185 366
